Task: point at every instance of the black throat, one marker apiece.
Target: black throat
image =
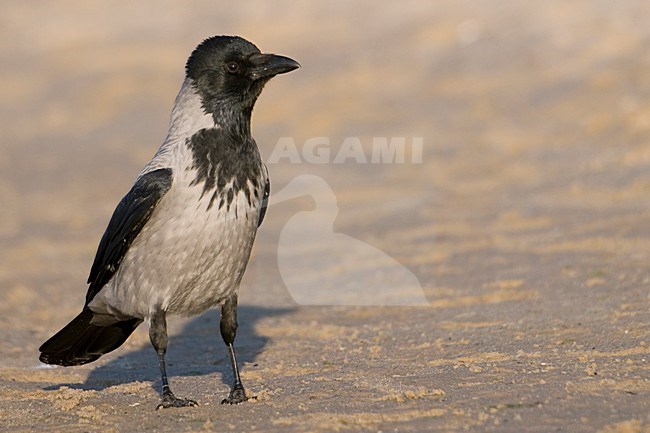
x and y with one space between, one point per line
231 111
233 117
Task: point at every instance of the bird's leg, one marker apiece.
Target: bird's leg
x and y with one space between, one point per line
228 327
158 336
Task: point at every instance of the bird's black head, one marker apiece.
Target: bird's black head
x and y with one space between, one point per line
229 73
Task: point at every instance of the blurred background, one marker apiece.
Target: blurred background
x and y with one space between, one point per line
529 210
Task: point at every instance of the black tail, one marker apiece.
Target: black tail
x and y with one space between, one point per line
81 342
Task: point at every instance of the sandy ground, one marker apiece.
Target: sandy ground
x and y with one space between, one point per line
526 222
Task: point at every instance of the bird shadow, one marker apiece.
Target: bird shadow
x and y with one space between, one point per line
197 350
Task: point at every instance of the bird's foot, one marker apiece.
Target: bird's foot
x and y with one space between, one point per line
237 395
170 400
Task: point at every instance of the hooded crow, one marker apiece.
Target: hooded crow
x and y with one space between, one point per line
180 240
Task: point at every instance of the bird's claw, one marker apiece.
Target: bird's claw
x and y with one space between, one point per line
170 400
237 395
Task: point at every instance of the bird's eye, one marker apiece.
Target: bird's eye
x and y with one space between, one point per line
232 67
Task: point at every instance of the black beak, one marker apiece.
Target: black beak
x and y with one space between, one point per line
269 65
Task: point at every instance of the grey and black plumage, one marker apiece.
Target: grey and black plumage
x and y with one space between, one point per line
180 240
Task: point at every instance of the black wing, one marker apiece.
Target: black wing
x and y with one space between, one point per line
265 201
131 214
